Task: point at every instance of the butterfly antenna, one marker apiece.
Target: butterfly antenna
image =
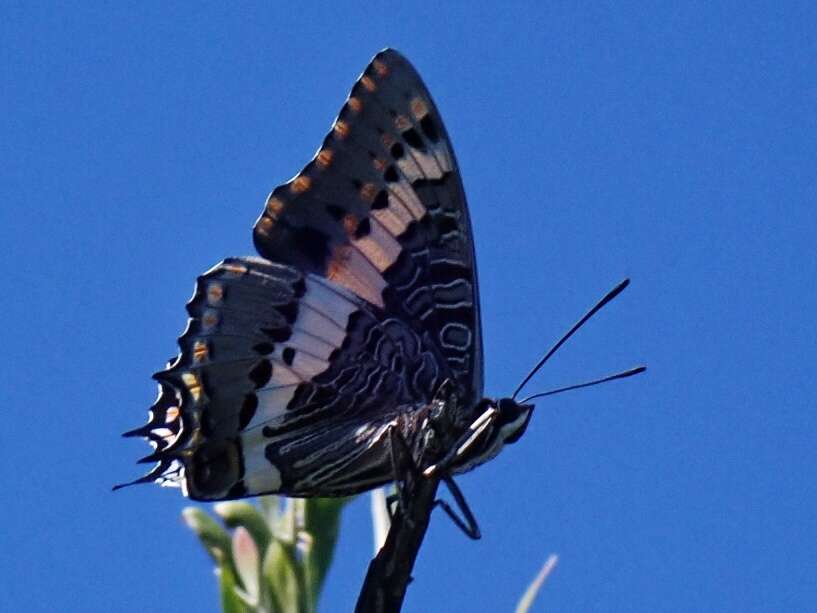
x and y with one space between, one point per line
621 375
610 295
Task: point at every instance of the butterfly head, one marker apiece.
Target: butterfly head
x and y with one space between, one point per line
497 423
512 420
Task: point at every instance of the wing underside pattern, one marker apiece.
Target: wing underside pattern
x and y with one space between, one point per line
381 211
292 366
283 381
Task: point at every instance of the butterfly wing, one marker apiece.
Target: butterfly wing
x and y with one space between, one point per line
292 366
381 211
284 381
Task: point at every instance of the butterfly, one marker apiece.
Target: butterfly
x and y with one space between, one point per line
301 370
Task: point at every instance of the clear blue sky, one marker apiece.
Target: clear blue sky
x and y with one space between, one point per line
675 145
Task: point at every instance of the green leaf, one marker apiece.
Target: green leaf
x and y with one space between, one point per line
230 602
295 541
215 539
238 513
287 524
322 523
309 589
280 576
248 565
524 604
270 508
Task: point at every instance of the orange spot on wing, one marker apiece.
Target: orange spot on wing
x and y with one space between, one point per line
209 319
325 158
337 263
380 68
274 206
301 184
418 108
237 269
402 123
264 225
200 351
215 292
191 381
368 83
350 223
341 129
355 104
368 192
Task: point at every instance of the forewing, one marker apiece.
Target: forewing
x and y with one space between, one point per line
381 211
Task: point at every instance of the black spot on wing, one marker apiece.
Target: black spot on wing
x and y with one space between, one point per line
248 409
397 151
363 228
261 373
313 243
289 311
391 175
413 139
429 129
381 201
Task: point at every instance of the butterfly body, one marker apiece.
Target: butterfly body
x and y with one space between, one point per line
360 321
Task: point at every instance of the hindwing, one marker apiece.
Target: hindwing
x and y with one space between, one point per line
283 380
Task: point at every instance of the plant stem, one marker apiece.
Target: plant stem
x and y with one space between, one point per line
389 572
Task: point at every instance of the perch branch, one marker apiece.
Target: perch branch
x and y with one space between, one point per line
384 587
390 571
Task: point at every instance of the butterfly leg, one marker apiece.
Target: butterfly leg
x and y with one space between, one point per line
403 467
390 500
469 526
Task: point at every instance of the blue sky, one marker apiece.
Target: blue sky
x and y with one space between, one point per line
672 144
